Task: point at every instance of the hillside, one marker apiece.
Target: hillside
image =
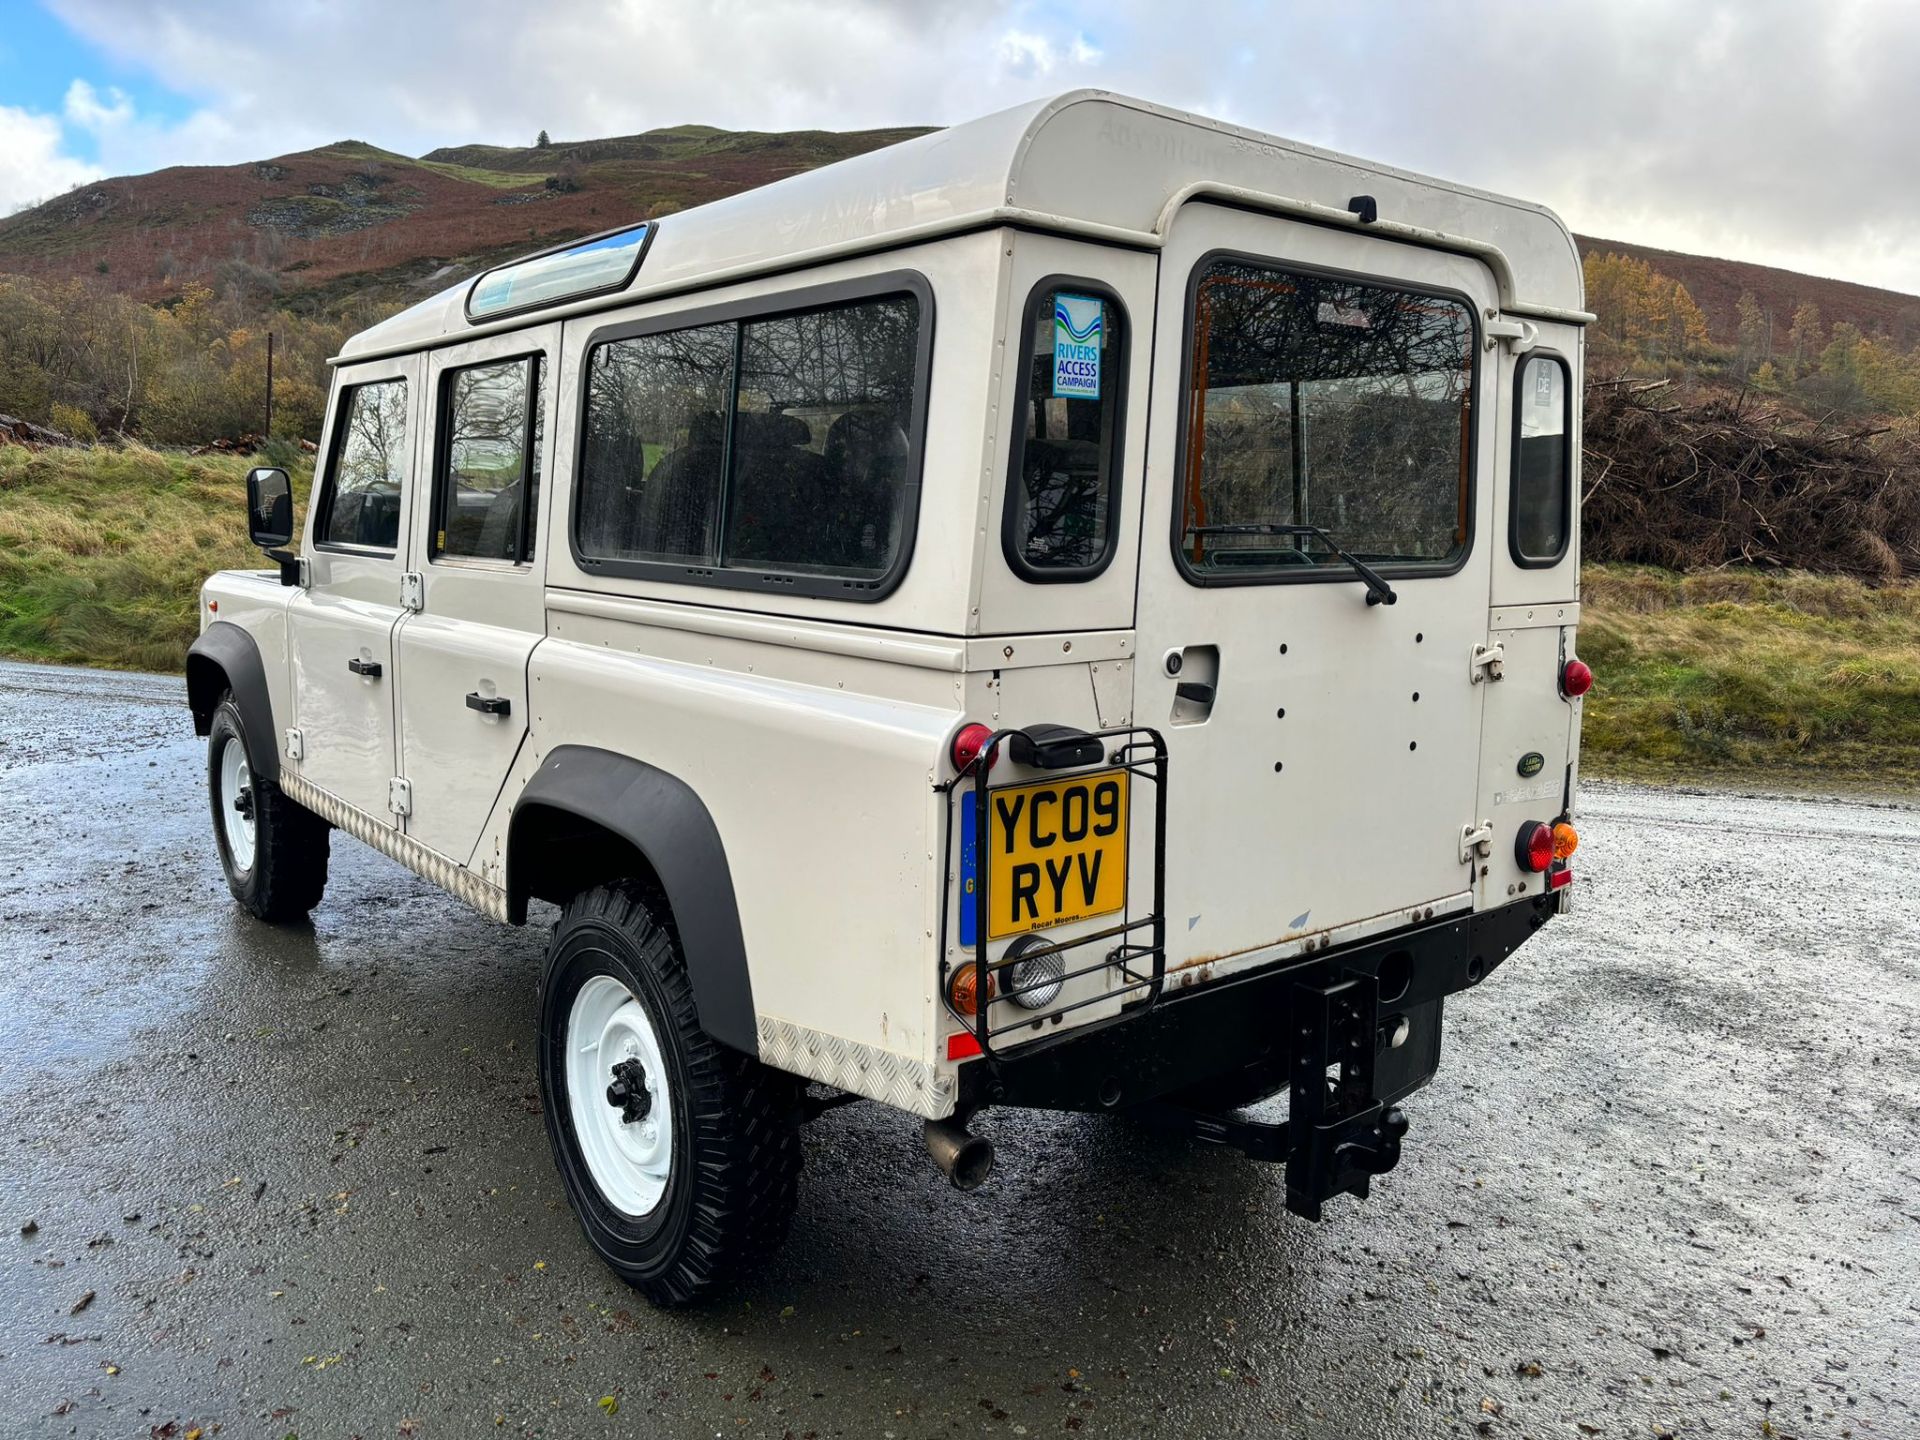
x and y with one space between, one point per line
1716 286
351 217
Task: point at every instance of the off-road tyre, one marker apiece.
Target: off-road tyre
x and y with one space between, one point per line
288 870
734 1176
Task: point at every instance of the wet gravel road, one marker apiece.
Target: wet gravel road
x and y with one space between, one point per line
1667 1182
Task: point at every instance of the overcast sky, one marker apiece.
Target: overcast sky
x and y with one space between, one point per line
1783 131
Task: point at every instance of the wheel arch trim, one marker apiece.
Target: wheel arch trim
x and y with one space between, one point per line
667 823
226 657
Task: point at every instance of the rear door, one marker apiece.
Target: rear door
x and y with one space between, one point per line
1323 750
463 658
341 626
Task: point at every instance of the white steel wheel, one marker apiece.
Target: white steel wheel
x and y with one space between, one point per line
619 1094
237 803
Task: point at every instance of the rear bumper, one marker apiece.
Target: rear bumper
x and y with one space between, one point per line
1245 1026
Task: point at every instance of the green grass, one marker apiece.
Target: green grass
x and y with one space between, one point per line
102 551
1743 676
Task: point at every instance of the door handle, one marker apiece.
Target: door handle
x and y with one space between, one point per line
369 669
488 704
1194 690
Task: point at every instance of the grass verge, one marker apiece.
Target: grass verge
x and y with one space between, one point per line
1798 680
102 551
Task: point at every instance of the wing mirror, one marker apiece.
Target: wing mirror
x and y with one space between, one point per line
270 518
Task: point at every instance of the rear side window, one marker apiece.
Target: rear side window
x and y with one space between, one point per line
779 449
369 474
1323 403
1542 461
1062 494
489 482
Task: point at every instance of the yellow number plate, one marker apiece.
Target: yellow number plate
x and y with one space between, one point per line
1056 851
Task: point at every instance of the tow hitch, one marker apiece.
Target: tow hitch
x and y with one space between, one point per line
1336 1136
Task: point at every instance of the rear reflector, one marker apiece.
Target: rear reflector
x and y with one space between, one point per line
1556 880
962 1045
1576 679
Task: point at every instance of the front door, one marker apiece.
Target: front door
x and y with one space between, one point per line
1321 389
477 533
341 626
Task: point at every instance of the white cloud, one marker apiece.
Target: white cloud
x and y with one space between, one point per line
84 108
34 166
1771 130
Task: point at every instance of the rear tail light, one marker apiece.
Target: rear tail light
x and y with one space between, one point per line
968 742
1575 679
1566 840
1533 847
963 989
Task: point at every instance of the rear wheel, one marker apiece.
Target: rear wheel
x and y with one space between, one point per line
680 1156
273 851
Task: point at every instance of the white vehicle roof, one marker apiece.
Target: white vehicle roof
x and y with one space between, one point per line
1089 163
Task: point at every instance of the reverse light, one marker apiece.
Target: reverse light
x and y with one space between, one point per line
1576 678
1566 840
963 989
1533 847
1035 971
968 742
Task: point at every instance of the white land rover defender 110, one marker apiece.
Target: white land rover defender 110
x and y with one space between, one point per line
1075 611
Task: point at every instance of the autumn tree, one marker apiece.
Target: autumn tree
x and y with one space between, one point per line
1754 338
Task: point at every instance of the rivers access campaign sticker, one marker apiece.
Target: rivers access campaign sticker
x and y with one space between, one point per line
1077 339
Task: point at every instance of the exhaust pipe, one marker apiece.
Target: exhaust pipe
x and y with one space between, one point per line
963 1157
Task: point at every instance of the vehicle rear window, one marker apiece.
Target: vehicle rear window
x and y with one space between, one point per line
1542 455
369 475
1061 493
780 446
489 483
1327 402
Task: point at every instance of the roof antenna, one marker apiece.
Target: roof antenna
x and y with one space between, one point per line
1364 208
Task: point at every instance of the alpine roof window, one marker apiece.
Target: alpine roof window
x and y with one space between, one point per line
590 267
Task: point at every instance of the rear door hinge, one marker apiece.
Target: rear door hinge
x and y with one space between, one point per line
413 591
1488 663
400 796
1476 841
1520 335
296 745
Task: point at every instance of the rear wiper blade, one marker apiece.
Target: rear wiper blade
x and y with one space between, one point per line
1379 592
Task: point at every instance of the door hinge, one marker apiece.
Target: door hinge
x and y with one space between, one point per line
296 745
413 591
1520 335
1489 663
400 796
1476 841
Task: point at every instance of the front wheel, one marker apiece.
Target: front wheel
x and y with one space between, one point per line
681 1157
273 851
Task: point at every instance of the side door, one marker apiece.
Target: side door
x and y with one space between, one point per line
477 536
1320 388
341 625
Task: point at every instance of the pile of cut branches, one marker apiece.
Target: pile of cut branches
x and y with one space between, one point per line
1728 480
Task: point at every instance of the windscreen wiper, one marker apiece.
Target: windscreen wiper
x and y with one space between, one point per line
1379 592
